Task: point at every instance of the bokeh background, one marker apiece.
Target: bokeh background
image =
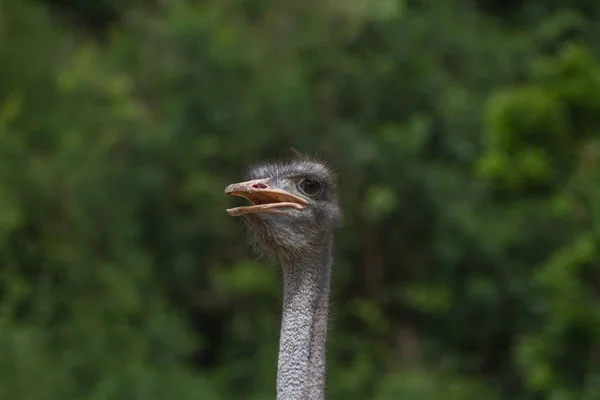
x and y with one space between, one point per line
466 135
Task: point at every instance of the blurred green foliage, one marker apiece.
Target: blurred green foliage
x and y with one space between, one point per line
466 136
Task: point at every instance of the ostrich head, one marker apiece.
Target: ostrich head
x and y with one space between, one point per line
294 209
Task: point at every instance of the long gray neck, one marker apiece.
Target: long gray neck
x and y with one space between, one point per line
301 367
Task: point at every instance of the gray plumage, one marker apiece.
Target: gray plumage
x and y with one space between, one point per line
301 241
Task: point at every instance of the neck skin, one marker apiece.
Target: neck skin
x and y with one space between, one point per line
301 367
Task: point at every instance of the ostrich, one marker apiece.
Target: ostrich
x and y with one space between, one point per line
293 219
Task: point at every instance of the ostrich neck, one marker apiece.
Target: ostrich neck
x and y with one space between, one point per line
301 367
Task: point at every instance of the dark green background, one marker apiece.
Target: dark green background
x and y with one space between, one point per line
466 135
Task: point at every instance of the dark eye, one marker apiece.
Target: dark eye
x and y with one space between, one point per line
310 187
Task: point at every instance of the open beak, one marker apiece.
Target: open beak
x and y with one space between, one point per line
265 199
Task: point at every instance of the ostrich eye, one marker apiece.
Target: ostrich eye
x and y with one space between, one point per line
310 187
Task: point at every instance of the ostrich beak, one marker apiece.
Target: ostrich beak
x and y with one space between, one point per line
265 199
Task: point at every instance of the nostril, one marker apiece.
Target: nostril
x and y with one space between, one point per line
259 186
